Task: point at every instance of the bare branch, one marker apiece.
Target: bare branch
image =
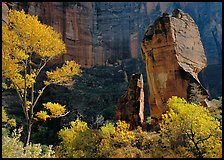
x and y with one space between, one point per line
41 69
21 99
61 115
39 96
204 139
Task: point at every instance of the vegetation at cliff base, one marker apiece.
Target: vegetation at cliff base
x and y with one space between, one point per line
187 130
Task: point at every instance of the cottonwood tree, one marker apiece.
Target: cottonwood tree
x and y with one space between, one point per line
190 127
27 47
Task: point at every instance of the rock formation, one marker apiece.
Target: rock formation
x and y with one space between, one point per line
130 106
97 32
115 29
173 55
5 9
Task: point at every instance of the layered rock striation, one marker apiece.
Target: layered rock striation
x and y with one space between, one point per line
174 55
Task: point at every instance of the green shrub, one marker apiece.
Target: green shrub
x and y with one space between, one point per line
12 147
78 141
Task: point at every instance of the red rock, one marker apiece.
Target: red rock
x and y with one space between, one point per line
130 106
173 55
5 9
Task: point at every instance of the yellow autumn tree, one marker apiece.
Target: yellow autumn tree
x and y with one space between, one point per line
27 47
191 130
78 141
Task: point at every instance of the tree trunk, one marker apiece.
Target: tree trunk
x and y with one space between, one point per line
29 126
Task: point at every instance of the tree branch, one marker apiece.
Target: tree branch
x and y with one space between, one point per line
39 70
21 99
61 115
204 139
39 96
25 89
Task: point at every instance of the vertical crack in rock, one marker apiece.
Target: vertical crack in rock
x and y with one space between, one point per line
173 54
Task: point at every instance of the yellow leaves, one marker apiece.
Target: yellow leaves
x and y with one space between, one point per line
78 125
30 79
122 133
12 122
107 130
46 83
55 109
24 36
65 73
34 36
191 121
4 115
42 115
184 152
27 46
115 135
40 92
122 125
104 145
68 134
28 105
19 82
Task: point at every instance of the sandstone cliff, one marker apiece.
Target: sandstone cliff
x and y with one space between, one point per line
173 55
130 106
97 31
4 13
100 33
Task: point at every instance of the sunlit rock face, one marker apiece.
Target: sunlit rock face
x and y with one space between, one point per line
98 33
114 30
173 54
5 9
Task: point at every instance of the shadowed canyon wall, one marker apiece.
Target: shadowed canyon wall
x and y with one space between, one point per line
100 33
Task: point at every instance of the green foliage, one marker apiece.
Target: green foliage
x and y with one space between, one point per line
11 122
114 141
215 108
4 115
175 140
12 147
77 141
4 86
149 120
190 127
195 93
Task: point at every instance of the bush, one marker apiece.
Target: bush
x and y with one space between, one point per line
77 141
12 147
190 127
